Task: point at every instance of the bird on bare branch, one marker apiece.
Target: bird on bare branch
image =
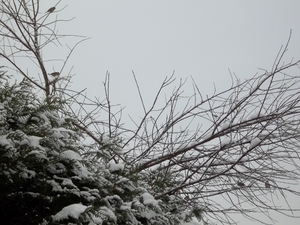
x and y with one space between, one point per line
54 74
51 10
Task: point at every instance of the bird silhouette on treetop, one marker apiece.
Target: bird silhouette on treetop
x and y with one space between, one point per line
51 10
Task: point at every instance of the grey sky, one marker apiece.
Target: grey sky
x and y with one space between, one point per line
202 39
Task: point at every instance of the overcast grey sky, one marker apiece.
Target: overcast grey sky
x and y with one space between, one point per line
202 39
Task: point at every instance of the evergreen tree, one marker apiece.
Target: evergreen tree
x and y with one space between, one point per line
45 180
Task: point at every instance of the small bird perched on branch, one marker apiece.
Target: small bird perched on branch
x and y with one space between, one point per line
54 74
51 10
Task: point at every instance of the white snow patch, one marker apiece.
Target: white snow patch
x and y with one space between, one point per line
106 139
126 206
147 214
55 186
265 133
172 197
4 141
38 154
82 171
254 142
61 121
56 134
122 180
87 195
194 221
32 141
225 142
192 144
148 199
73 210
256 115
69 154
268 74
96 221
61 132
27 174
225 126
253 116
68 182
112 166
107 213
207 136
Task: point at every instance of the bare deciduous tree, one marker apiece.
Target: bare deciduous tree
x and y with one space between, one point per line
240 145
